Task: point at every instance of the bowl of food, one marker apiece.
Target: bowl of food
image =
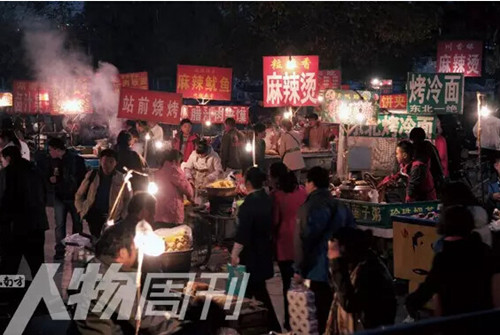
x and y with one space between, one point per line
221 188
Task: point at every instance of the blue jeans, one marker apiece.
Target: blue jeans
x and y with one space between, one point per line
61 210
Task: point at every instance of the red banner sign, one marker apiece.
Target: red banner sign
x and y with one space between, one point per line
393 101
329 79
460 57
215 114
31 97
138 80
71 97
290 81
202 82
154 106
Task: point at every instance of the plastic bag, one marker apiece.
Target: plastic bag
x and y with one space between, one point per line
235 272
78 240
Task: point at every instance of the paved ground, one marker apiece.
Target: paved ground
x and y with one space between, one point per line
44 325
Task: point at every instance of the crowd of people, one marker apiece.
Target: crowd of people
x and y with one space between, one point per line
310 234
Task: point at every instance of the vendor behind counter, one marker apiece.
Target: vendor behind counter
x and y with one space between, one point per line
316 135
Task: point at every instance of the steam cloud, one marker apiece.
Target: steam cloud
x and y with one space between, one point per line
60 66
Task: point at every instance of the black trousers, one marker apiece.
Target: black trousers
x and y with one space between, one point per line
30 246
258 290
96 221
323 297
287 272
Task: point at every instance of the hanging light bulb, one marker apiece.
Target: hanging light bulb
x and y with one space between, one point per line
485 111
248 147
360 118
291 64
208 123
147 240
159 144
152 188
343 112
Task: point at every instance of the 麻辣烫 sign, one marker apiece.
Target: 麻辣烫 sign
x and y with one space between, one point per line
203 82
435 93
31 97
393 101
398 126
138 80
460 57
329 79
162 107
215 114
349 107
290 81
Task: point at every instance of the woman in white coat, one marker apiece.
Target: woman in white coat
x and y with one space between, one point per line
289 148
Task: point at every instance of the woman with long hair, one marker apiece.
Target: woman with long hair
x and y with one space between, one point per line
287 197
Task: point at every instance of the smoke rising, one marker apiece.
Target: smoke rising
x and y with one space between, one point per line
56 62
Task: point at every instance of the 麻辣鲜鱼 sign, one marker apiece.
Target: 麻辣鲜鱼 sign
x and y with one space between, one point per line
162 107
31 97
203 82
393 101
215 114
398 126
435 93
290 81
460 57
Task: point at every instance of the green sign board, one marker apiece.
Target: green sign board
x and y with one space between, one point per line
398 126
435 93
379 215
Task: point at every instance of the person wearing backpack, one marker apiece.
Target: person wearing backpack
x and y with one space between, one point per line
66 173
317 220
99 191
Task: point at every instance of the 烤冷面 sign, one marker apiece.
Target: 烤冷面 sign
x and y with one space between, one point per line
203 82
162 107
435 93
460 57
290 81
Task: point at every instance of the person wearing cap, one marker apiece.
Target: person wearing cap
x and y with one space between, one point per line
316 134
203 166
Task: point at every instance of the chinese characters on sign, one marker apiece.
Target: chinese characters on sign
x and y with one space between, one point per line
430 93
137 80
31 97
398 126
329 79
460 57
215 114
393 101
290 81
202 82
112 292
347 106
154 106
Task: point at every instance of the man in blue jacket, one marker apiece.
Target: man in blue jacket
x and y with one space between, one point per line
318 219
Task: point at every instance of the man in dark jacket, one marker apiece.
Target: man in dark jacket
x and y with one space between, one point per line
253 245
22 213
67 173
364 292
429 152
231 147
317 220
